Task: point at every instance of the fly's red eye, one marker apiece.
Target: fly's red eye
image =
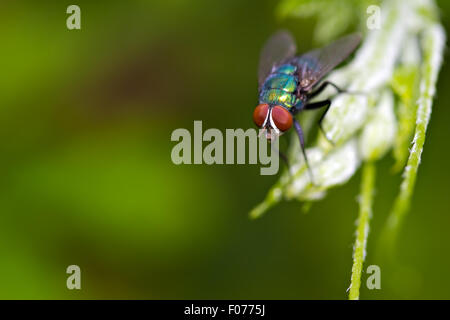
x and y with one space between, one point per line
260 114
282 118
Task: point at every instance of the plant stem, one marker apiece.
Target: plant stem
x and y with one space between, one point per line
362 231
433 46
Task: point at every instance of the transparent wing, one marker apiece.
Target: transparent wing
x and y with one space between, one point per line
279 47
314 65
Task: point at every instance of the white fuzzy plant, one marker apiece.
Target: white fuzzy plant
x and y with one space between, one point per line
396 67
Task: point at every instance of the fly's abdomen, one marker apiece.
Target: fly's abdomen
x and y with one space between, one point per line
280 87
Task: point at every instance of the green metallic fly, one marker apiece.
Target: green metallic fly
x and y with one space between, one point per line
287 82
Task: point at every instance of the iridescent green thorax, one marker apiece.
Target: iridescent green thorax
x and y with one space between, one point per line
280 86
278 97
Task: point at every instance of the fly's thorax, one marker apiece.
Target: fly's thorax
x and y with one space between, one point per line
280 87
278 97
281 81
286 69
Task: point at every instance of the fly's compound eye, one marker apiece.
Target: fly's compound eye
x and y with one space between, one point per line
260 114
282 118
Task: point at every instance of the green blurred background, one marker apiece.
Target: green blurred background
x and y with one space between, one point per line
86 118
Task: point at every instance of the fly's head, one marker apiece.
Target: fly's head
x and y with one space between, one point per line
273 119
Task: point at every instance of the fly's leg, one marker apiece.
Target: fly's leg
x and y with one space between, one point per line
283 157
322 87
299 130
329 83
317 105
325 103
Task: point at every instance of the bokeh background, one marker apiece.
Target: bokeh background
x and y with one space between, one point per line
87 179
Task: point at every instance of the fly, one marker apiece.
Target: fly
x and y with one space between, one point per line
288 82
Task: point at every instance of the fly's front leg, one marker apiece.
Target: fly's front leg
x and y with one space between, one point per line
299 131
321 104
283 157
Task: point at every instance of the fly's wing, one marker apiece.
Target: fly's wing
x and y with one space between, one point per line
279 47
314 65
